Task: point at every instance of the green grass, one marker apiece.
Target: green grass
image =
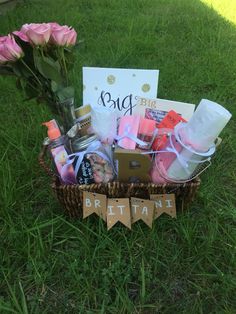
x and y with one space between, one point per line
50 264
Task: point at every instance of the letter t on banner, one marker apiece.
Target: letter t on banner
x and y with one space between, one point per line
94 203
118 209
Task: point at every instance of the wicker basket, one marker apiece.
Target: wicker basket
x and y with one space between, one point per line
71 196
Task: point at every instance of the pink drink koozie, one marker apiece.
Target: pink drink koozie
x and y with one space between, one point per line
128 128
164 160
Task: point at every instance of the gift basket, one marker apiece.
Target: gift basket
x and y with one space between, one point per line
141 162
138 160
71 196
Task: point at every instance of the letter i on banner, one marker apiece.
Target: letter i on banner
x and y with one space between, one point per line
94 203
118 209
164 203
142 209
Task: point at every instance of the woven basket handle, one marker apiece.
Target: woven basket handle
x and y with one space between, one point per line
42 161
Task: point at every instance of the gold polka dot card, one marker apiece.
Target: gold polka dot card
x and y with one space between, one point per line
118 89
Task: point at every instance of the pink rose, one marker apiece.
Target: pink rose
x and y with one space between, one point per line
21 35
2 58
3 39
36 34
9 50
63 35
54 24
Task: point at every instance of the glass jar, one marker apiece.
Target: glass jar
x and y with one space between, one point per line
146 132
92 162
83 118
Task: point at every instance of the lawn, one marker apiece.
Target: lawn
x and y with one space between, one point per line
50 264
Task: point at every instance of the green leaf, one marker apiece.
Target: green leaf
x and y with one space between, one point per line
16 71
65 93
48 67
21 71
30 90
19 84
28 51
54 86
6 70
56 64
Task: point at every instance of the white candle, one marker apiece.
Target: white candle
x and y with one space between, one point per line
205 125
200 133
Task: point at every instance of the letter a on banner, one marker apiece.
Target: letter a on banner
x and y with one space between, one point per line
118 209
142 209
94 203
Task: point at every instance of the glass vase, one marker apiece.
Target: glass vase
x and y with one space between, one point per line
66 111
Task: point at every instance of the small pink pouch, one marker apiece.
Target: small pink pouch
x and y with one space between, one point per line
168 158
129 125
164 160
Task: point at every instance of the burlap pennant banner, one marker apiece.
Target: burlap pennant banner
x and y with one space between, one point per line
94 203
142 210
127 210
118 210
164 203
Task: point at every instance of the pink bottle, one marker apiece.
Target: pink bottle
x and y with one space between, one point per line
59 153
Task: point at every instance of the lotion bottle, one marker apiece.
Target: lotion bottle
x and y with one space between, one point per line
59 153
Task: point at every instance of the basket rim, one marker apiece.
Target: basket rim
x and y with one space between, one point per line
56 184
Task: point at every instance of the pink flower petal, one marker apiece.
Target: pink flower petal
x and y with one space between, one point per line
35 38
37 33
21 35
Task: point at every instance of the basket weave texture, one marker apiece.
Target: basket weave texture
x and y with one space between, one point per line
71 196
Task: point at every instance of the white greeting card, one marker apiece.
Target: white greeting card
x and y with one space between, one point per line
118 89
157 108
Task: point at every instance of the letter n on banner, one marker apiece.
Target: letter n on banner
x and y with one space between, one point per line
94 203
118 209
164 203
